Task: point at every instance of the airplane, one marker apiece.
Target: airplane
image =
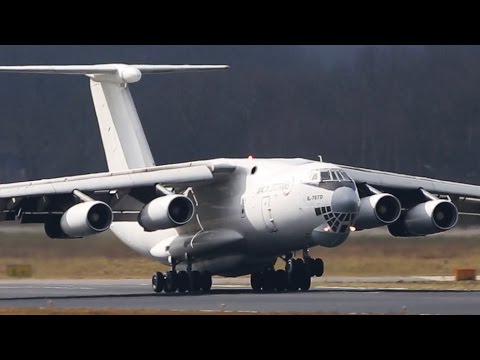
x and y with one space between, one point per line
221 217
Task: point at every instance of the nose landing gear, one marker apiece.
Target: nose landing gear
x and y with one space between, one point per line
298 275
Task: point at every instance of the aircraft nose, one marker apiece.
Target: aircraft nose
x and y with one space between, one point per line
345 200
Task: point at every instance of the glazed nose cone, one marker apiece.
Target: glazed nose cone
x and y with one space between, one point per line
345 200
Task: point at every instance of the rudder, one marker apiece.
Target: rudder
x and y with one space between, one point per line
123 137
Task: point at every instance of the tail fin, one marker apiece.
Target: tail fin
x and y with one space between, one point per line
123 137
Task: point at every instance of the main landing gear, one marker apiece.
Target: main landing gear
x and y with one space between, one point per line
296 276
182 281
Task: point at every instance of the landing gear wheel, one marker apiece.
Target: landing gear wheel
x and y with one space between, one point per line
305 282
292 284
298 262
256 281
194 281
318 267
171 282
205 281
269 281
297 272
182 281
158 282
281 280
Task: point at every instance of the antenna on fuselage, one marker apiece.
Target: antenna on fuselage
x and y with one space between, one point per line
320 158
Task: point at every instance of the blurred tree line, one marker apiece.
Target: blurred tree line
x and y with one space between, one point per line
398 108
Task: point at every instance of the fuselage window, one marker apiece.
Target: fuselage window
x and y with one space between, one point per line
315 177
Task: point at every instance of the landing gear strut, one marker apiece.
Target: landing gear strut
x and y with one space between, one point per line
296 276
182 281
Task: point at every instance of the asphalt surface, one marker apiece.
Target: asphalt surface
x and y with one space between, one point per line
137 294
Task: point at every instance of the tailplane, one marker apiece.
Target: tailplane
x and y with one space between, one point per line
123 137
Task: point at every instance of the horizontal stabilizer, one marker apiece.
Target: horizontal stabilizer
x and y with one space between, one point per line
107 69
117 73
123 137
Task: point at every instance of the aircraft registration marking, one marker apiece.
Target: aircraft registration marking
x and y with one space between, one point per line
314 197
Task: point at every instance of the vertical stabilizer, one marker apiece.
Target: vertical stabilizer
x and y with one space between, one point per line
123 138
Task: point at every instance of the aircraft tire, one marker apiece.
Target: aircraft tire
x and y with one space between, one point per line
194 281
281 280
318 267
182 281
205 281
256 281
158 282
305 282
268 281
297 275
171 282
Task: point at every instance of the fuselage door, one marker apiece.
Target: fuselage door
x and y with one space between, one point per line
267 214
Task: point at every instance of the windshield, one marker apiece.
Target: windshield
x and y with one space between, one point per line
328 175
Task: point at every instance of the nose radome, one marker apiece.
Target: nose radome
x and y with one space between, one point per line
345 200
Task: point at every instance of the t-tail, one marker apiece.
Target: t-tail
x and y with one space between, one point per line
123 137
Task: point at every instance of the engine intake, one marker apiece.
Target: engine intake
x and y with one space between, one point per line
83 219
166 212
377 210
428 218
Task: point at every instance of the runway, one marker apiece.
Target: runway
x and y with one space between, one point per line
137 294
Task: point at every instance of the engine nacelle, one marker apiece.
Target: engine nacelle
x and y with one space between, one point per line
377 210
83 219
166 212
428 218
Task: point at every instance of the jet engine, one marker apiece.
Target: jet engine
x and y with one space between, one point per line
428 218
377 210
166 212
88 218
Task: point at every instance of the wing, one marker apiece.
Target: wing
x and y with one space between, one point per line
406 188
126 192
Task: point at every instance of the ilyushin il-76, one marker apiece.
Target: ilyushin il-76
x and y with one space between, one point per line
223 217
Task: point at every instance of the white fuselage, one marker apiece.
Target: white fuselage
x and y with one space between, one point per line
275 205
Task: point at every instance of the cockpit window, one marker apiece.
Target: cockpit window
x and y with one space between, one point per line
345 176
325 176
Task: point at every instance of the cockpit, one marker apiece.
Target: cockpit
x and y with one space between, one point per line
340 212
328 175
